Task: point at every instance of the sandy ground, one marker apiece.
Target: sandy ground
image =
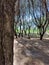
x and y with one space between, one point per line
31 51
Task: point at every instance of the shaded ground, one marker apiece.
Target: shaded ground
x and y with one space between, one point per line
31 51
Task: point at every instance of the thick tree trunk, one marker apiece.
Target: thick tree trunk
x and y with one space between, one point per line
8 32
8 40
2 59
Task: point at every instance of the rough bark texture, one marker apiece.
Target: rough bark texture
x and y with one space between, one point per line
8 31
6 34
2 59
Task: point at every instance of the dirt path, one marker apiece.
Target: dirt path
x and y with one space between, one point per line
31 52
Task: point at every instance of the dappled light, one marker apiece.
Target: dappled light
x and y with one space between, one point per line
24 32
32 50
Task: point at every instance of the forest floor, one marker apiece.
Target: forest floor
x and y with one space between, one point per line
31 51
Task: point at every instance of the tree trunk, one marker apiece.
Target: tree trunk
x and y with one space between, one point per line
20 28
2 59
15 33
25 32
41 37
29 33
22 33
8 32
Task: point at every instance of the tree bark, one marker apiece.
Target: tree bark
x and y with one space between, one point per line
8 32
2 59
29 33
20 31
41 37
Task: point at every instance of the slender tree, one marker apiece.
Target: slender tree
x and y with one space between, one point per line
41 20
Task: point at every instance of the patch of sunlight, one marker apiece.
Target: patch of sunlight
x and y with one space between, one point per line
46 38
36 44
15 45
34 38
47 33
21 45
28 45
15 41
31 61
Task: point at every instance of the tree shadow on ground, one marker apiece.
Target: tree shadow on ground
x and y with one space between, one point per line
35 48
